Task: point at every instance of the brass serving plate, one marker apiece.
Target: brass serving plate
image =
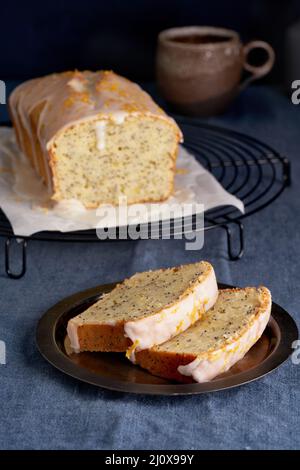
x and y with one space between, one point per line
114 372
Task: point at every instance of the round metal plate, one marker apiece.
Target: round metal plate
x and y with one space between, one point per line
113 371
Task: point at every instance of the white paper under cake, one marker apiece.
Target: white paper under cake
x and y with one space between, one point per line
25 201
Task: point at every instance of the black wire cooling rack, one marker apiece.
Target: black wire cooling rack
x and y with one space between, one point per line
246 167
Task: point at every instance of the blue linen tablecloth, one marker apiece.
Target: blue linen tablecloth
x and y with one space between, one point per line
40 408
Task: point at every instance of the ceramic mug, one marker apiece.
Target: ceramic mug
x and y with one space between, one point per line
199 68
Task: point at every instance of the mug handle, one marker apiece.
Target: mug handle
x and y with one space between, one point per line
260 70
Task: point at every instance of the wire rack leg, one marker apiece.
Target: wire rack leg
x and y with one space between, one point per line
287 172
238 254
8 246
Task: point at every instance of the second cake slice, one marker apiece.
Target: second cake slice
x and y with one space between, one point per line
216 342
145 310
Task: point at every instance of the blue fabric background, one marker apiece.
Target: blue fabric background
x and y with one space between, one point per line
40 408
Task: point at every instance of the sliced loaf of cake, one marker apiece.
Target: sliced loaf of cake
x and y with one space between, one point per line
216 342
145 310
95 137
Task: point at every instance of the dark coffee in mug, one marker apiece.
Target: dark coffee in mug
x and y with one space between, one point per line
200 39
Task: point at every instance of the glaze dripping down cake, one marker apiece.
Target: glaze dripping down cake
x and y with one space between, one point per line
96 137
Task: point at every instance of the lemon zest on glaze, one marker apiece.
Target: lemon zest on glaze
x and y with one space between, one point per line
132 349
179 326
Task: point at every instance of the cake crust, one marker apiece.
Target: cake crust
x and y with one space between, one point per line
105 338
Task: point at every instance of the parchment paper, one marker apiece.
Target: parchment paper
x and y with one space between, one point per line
25 201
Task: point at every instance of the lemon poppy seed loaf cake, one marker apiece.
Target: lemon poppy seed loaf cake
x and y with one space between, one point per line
216 342
95 137
146 309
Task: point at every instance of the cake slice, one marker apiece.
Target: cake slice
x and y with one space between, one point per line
216 342
145 310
